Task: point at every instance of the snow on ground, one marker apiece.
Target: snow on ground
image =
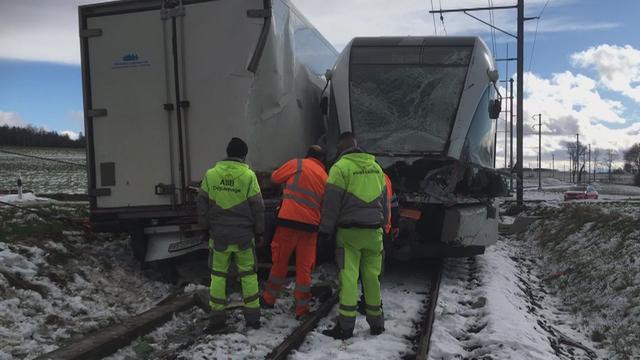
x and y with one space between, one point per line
41 176
27 199
593 250
486 310
56 284
403 296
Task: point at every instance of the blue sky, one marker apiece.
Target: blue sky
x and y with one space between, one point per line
40 81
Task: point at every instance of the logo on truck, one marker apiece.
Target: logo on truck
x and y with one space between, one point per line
129 60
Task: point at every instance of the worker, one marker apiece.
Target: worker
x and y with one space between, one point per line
355 207
391 232
231 205
297 226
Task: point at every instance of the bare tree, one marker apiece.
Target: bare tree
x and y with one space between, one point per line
576 167
632 158
610 157
595 156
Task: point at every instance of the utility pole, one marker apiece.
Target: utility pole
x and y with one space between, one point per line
539 151
553 165
589 173
577 158
520 78
519 126
506 113
511 132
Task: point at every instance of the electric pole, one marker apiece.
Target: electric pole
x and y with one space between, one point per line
511 133
539 151
519 122
589 173
520 78
553 165
577 158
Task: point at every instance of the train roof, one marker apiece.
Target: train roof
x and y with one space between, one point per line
415 41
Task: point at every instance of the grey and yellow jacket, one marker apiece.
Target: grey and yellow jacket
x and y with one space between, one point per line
355 195
230 204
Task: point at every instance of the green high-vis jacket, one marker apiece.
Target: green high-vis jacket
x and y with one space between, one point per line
355 196
230 203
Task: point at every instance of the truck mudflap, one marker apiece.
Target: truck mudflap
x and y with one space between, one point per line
164 242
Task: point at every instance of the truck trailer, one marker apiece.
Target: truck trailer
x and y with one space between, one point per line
426 108
166 84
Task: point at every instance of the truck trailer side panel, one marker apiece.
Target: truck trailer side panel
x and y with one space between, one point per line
130 126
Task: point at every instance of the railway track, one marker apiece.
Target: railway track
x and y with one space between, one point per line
112 339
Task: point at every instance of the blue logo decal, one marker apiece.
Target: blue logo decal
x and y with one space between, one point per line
130 60
130 57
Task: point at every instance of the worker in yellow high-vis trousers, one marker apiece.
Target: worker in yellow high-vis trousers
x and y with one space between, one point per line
230 203
355 207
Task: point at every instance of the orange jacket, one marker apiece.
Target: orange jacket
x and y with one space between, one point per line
387 226
304 180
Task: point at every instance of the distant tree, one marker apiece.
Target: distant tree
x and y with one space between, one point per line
595 156
610 157
632 158
32 136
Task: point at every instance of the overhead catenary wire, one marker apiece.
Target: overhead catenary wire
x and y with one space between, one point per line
493 31
444 28
433 15
535 36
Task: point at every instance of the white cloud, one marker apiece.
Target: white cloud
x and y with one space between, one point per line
571 103
70 134
11 119
618 67
39 30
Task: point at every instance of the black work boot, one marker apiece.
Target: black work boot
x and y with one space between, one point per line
376 330
217 323
252 317
338 332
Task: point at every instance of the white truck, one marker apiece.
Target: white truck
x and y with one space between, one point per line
167 83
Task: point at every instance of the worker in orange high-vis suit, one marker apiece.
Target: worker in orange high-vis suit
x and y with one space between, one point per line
297 226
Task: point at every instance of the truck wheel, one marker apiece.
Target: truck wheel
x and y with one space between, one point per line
138 244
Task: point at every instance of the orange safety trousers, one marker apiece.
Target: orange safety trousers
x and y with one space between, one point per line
284 242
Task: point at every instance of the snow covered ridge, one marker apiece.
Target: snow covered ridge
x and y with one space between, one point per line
593 254
56 284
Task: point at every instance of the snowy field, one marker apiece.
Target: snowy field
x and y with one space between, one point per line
40 176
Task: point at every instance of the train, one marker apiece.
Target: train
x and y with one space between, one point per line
166 83
426 107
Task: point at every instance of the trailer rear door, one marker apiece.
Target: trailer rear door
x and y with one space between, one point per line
129 67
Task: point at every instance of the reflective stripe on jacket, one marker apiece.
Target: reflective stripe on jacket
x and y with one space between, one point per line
355 195
305 181
230 203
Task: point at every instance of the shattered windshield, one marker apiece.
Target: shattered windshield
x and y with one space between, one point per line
404 99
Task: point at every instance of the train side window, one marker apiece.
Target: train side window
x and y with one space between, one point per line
478 147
